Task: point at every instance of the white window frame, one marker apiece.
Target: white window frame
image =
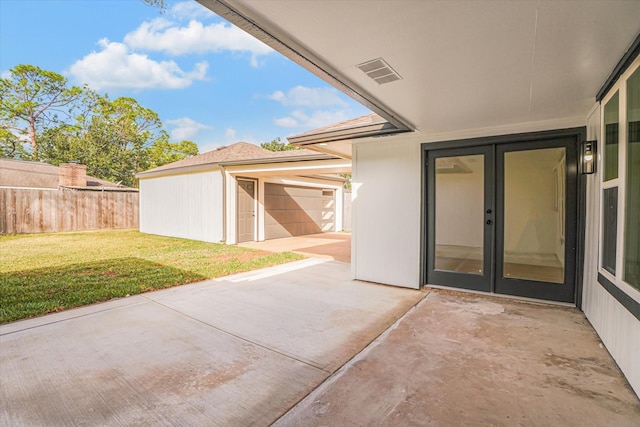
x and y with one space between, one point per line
620 182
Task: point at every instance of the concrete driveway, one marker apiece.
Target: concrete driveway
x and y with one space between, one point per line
301 344
336 246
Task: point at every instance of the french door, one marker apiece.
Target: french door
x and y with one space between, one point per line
501 218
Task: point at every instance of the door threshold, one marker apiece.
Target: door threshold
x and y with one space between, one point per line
491 294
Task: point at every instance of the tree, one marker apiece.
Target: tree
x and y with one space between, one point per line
115 139
163 152
278 145
32 100
347 184
160 4
118 134
11 146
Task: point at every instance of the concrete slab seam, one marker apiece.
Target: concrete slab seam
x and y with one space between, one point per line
238 336
134 301
372 344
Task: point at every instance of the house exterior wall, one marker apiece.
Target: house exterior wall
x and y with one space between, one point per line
386 242
387 193
386 212
187 206
618 329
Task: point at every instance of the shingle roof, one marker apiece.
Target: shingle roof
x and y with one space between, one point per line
367 119
364 126
22 173
239 151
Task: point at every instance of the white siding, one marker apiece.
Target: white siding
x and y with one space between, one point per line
187 206
386 209
617 328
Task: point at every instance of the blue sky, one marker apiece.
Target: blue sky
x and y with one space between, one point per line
208 81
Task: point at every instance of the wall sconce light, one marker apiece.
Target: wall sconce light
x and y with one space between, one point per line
589 157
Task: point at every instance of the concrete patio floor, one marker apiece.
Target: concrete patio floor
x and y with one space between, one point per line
302 344
458 359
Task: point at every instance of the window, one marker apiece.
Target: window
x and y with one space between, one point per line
611 128
610 229
632 211
620 185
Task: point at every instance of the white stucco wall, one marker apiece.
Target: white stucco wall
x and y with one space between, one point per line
618 329
386 212
187 206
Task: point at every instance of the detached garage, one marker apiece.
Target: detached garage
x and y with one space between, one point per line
243 192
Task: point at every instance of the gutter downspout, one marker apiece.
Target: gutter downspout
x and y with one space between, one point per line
224 205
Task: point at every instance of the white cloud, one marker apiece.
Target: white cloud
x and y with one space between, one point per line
115 66
165 36
190 10
230 134
316 119
185 128
286 122
278 96
301 96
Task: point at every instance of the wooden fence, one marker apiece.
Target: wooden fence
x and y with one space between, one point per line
25 210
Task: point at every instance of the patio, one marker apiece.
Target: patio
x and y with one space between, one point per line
302 344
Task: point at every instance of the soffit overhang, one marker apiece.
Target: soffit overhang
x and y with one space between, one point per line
463 64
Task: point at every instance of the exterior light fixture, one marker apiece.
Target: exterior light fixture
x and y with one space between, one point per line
588 157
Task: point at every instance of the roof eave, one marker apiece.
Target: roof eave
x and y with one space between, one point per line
213 166
283 159
281 42
177 170
377 129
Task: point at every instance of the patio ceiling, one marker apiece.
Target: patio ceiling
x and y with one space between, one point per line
463 64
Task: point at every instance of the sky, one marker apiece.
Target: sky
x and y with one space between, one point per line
209 82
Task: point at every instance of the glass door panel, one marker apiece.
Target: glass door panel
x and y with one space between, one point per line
534 220
535 243
460 213
460 219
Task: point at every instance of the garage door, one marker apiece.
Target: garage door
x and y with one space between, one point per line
295 211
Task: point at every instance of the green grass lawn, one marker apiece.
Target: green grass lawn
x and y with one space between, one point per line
44 273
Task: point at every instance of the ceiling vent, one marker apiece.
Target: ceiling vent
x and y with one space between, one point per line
379 71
